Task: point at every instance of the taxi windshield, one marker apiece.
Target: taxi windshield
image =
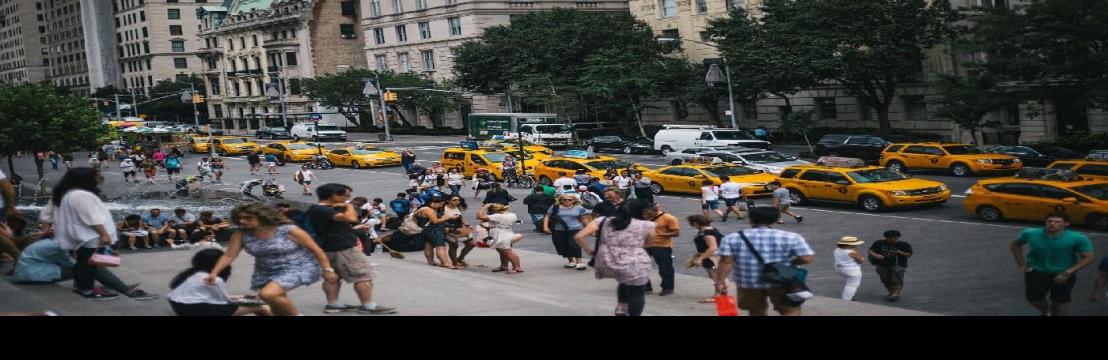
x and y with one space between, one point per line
234 141
717 171
609 164
1098 191
365 151
299 147
769 157
963 150
498 157
875 176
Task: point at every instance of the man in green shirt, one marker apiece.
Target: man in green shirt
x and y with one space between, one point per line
1055 256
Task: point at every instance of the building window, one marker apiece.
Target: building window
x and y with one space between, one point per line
671 34
173 30
451 2
397 6
915 109
401 33
669 8
382 63
180 63
455 26
348 8
178 45
378 36
424 30
375 8
182 78
290 59
704 37
347 31
421 4
701 6
404 61
174 14
826 108
428 57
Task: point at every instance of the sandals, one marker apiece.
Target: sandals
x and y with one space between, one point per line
581 266
499 270
462 263
515 271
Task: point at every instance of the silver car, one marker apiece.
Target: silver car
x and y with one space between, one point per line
682 156
769 161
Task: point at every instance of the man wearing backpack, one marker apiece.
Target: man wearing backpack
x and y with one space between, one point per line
772 246
332 219
401 207
537 205
588 199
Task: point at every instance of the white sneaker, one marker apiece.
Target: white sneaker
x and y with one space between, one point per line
570 265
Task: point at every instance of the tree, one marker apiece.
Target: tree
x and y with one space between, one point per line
343 91
546 55
623 77
966 99
36 117
869 47
172 107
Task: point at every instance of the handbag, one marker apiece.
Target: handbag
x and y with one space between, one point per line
409 226
103 258
725 305
596 246
781 273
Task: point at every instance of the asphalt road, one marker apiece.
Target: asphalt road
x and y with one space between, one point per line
961 266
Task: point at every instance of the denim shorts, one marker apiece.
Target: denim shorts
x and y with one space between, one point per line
710 204
731 202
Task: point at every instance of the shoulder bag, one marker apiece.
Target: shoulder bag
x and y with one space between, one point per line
409 226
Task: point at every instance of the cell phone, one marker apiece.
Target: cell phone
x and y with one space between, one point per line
519 221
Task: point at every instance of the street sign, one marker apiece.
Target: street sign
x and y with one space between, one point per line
315 117
369 90
272 92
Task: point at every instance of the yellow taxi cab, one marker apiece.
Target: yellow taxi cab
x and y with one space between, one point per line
1092 169
873 188
364 156
687 178
469 160
959 159
537 152
1035 193
198 144
289 151
234 145
569 162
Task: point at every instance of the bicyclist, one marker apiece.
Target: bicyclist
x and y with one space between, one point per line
509 167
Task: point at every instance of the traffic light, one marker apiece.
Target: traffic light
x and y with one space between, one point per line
197 99
390 96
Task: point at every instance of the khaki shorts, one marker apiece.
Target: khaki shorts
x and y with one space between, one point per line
756 299
351 265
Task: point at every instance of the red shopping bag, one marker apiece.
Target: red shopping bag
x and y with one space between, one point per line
725 305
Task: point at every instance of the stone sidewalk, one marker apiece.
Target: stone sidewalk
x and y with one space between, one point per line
544 289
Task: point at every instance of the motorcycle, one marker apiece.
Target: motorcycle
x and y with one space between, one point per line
320 162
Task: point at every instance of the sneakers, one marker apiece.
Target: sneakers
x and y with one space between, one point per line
334 309
780 222
379 310
799 219
97 294
582 267
570 265
141 295
621 310
666 292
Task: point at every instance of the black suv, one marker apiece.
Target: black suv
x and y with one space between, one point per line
1038 155
624 144
272 133
865 147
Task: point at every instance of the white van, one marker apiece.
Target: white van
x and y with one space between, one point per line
327 132
677 137
546 134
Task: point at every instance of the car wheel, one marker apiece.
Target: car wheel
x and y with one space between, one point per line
871 203
355 165
590 148
666 149
896 166
1097 221
626 149
222 153
656 188
960 170
296 137
545 181
284 159
797 198
676 162
989 213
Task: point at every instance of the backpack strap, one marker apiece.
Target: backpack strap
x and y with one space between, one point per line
751 247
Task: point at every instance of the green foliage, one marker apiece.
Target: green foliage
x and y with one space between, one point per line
343 91
172 108
36 117
966 99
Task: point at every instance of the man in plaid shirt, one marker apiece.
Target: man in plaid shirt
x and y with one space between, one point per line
774 246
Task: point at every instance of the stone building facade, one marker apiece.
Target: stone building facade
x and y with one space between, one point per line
22 39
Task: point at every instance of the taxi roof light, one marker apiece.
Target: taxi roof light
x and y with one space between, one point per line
833 161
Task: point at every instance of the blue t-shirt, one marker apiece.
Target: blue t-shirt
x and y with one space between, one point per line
155 221
42 261
571 217
172 163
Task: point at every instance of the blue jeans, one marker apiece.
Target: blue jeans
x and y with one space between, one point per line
537 220
455 190
664 258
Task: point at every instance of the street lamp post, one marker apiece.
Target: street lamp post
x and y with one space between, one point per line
713 77
371 88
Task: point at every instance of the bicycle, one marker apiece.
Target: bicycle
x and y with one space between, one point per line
519 181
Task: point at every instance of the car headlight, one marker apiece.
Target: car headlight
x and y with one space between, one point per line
943 188
1015 161
969 192
898 193
984 161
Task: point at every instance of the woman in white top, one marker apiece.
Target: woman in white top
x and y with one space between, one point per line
709 198
501 237
848 264
304 177
81 223
455 180
192 297
457 231
428 178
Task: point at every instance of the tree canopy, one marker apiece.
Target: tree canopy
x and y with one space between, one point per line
343 91
36 117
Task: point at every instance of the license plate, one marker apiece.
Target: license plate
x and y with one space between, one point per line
1002 166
